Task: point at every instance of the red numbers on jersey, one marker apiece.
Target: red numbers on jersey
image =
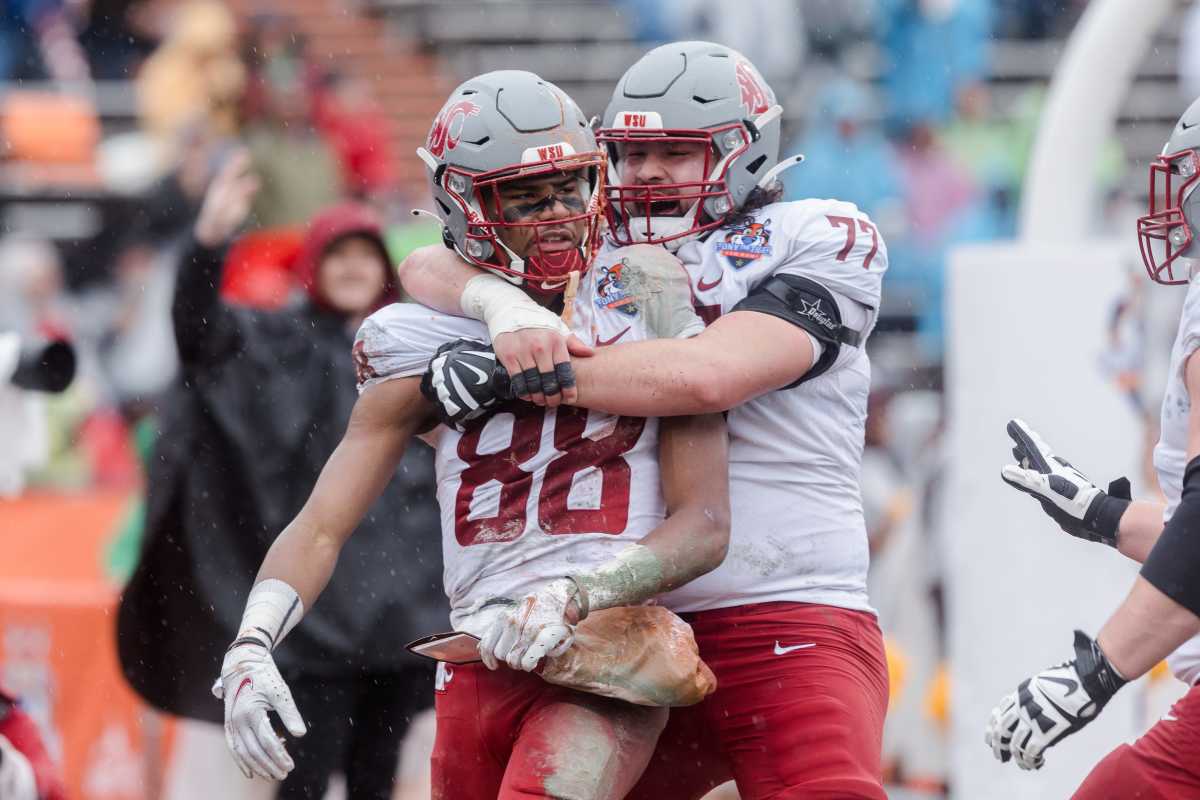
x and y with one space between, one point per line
866 227
577 454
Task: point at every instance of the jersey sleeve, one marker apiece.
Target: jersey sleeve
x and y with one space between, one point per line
399 340
1189 333
835 244
660 287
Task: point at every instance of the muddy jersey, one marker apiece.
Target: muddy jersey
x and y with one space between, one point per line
795 454
534 494
1170 454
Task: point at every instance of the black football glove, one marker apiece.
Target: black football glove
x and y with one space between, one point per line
1078 506
1052 705
464 382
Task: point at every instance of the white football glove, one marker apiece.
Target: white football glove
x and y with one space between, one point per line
17 780
535 628
1078 506
251 685
1052 705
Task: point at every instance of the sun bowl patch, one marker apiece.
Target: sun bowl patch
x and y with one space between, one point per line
746 244
611 291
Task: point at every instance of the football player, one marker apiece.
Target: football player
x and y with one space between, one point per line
790 291
1160 613
546 516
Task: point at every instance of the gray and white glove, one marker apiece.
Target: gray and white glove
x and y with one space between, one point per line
250 685
1079 507
464 381
540 625
1052 705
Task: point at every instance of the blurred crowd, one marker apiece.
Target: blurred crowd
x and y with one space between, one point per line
204 84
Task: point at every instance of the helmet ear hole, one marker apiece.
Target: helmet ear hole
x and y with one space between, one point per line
754 166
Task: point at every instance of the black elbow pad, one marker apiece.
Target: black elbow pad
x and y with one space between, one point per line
808 305
1173 566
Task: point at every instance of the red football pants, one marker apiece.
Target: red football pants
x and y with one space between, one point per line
1164 764
508 734
798 712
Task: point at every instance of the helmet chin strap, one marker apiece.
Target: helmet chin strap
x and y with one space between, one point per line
563 262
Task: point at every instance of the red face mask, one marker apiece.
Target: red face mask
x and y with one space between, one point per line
546 266
1164 234
634 210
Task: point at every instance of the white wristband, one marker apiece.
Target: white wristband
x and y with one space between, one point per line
505 308
272 610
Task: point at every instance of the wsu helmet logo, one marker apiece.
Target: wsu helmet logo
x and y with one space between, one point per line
755 98
448 126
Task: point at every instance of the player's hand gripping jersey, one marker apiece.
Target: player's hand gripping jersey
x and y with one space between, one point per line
534 494
795 454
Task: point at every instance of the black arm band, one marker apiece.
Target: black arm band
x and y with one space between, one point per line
1173 566
809 306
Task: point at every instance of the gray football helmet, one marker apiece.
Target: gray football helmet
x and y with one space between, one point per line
691 91
505 126
1170 228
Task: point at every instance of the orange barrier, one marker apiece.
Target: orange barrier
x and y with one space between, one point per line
49 127
58 645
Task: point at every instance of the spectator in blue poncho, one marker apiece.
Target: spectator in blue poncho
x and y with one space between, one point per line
846 156
931 48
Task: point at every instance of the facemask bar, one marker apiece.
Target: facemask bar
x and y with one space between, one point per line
1164 234
631 206
477 194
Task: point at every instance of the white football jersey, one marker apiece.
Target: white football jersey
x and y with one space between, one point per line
535 494
795 454
1170 454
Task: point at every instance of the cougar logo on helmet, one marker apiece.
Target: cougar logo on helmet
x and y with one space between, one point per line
448 125
754 96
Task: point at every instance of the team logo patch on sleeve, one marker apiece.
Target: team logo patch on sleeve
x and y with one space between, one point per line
612 292
746 244
362 363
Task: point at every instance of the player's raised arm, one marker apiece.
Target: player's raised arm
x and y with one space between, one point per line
1161 612
1077 505
298 566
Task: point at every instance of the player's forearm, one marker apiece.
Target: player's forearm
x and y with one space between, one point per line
740 356
694 536
659 378
1146 628
694 463
1139 529
435 276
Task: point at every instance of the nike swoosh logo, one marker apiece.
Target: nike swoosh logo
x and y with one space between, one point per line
1067 682
603 342
482 375
701 286
245 682
779 650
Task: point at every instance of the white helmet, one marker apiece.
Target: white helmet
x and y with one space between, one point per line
691 91
1169 230
504 126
